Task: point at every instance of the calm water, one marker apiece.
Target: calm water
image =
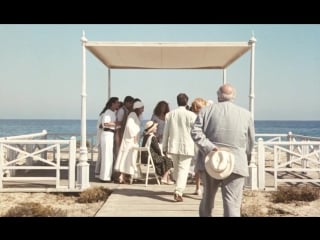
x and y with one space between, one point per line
12 127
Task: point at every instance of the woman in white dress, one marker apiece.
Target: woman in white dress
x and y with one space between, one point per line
126 159
109 124
98 144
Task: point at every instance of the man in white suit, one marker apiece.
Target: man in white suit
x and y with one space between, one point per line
224 124
178 143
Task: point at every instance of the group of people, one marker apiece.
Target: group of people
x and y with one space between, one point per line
180 137
118 134
118 131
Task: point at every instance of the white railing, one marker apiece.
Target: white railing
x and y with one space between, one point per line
42 134
285 158
276 159
91 142
12 154
20 153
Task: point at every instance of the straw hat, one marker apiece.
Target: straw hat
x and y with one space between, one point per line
149 127
219 164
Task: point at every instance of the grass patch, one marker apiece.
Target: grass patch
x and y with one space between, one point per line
291 194
32 209
94 194
250 207
278 211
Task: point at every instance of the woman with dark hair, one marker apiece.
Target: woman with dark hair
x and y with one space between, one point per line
108 124
158 116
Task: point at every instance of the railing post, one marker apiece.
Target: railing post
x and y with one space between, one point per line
1 164
289 155
45 137
58 165
261 165
318 146
304 152
252 180
11 155
72 162
29 149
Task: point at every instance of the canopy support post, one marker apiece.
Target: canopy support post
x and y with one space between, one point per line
83 166
252 180
224 76
252 42
109 83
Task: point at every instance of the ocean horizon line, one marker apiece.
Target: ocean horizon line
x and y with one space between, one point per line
94 119
13 127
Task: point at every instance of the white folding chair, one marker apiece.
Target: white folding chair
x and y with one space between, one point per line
150 163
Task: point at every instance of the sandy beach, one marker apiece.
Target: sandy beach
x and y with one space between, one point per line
255 203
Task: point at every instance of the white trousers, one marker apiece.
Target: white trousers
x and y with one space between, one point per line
106 156
181 165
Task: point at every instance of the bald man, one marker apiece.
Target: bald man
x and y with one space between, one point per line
224 124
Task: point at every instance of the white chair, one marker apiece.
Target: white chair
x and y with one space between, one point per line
150 163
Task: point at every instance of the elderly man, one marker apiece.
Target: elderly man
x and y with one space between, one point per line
224 125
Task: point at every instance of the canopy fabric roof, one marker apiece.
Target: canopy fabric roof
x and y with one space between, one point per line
155 55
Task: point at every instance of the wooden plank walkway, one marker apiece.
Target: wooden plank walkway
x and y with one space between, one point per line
137 200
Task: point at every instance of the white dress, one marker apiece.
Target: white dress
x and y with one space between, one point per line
98 145
126 160
106 142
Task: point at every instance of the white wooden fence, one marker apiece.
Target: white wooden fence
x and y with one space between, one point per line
26 153
284 159
277 159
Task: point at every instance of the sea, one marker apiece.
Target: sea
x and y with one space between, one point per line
13 127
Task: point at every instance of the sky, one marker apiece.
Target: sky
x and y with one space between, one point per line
41 69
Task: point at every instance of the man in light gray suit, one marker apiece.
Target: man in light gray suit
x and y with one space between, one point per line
224 124
178 143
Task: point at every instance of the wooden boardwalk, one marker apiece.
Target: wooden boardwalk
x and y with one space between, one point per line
137 200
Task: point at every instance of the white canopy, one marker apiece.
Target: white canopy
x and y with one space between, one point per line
149 55
157 55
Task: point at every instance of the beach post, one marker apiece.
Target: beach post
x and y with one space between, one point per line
83 166
252 180
291 148
261 165
252 42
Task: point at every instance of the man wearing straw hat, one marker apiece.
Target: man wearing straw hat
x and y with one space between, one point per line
224 133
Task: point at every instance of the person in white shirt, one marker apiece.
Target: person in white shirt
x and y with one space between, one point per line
178 143
109 124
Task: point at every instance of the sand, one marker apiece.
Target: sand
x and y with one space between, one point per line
255 203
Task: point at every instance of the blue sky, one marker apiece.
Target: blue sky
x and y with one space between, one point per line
41 67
